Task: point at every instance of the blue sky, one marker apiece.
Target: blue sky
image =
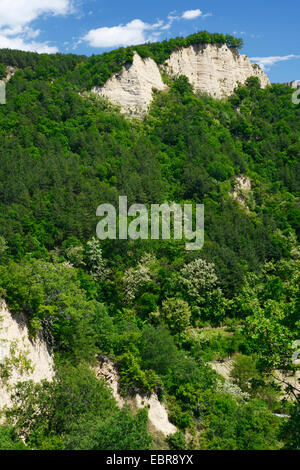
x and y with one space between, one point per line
270 28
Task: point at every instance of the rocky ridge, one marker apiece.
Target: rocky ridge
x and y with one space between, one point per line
215 70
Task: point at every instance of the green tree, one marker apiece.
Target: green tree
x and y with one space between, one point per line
176 314
290 430
9 439
120 431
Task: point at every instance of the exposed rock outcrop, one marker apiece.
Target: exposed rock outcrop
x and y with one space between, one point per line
21 359
223 368
132 87
282 378
212 69
157 412
10 73
106 370
241 189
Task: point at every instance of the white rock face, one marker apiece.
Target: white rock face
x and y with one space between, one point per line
10 73
106 370
157 414
214 70
20 358
242 187
132 87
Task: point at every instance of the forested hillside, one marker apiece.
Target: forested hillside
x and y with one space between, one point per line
160 312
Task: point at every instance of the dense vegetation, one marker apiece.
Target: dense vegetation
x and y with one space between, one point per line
160 312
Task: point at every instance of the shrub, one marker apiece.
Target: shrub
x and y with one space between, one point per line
176 314
177 441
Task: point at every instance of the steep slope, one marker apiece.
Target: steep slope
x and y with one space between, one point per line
214 69
20 358
132 88
157 412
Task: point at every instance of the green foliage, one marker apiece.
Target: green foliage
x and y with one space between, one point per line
74 152
132 378
99 68
273 323
95 260
161 51
234 426
51 297
158 349
181 85
200 283
2 71
176 314
244 371
144 303
290 430
213 344
47 63
75 411
9 439
177 441
120 431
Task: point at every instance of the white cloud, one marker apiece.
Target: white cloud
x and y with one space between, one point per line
23 12
136 31
132 33
171 19
244 33
267 62
20 44
16 16
191 14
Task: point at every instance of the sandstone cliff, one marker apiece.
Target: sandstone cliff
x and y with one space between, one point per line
20 358
212 69
132 88
10 73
